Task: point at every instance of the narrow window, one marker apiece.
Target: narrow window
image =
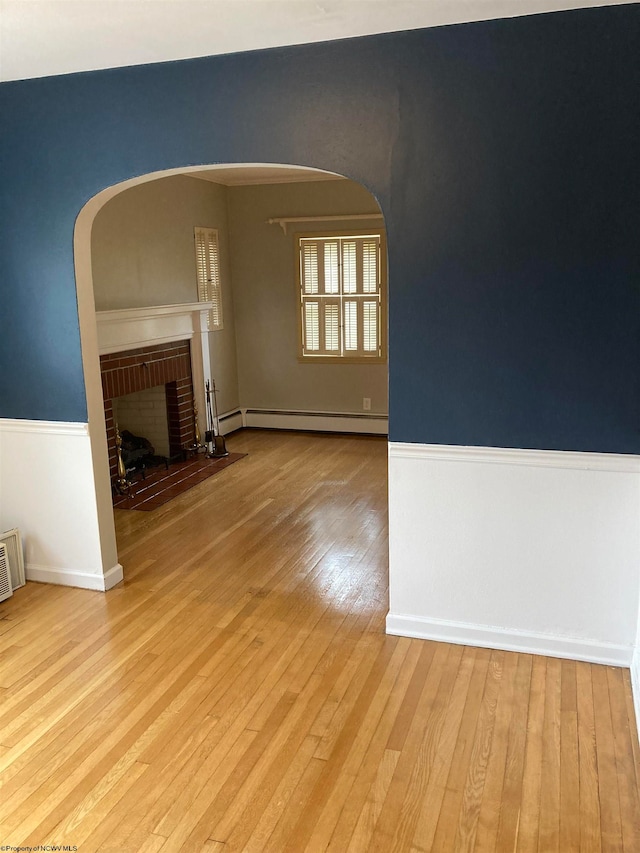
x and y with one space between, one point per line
208 273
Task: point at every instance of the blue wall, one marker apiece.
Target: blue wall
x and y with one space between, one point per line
504 155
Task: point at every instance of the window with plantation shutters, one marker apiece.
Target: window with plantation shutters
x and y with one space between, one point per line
341 285
208 273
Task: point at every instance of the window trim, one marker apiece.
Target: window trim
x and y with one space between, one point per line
328 234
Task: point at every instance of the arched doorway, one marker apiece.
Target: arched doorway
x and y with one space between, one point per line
351 211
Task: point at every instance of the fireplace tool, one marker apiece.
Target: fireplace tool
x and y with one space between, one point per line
197 445
123 484
215 441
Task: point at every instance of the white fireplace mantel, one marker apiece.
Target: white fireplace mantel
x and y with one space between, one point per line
132 328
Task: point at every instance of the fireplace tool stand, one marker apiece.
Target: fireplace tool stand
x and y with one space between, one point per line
215 442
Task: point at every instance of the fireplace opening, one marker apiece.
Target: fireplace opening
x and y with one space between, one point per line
138 455
144 415
150 388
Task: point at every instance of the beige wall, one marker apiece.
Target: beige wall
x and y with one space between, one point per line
143 254
263 270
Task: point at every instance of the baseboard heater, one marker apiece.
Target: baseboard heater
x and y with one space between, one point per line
355 422
230 421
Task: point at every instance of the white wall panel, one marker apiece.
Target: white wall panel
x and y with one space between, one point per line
531 550
48 492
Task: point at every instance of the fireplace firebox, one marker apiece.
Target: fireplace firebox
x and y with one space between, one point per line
131 371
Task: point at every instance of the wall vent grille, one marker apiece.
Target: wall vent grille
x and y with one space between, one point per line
11 538
5 577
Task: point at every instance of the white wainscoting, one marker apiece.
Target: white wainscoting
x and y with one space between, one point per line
535 551
48 492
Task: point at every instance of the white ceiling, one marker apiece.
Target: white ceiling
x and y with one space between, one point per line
43 37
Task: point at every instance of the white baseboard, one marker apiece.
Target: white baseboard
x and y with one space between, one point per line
352 422
488 637
82 580
113 577
635 683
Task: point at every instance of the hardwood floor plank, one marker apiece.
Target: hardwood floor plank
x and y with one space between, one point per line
183 824
154 793
419 831
590 833
407 712
608 787
227 803
34 711
569 839
512 788
59 797
623 748
254 827
324 787
631 723
529 818
296 806
411 808
155 843
371 757
100 801
452 801
490 807
368 818
33 778
549 837
479 759
283 751
337 821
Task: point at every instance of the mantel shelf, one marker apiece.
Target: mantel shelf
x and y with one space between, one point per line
132 328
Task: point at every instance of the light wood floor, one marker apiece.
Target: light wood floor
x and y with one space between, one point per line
238 692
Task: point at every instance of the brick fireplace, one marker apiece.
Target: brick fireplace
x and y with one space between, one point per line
147 367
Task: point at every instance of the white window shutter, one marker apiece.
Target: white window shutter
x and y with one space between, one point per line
349 267
370 266
208 273
312 326
370 326
331 268
332 327
351 326
341 296
310 268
